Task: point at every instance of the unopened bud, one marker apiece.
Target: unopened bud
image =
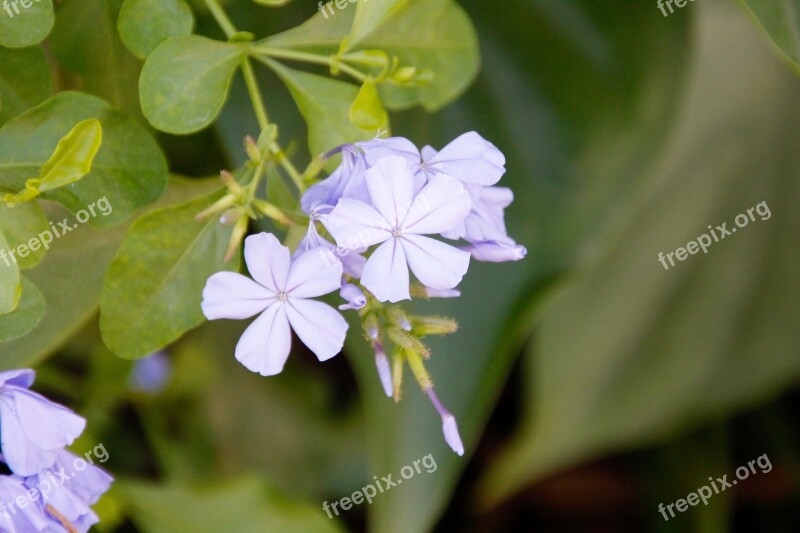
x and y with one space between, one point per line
239 231
371 327
407 341
252 150
433 325
398 318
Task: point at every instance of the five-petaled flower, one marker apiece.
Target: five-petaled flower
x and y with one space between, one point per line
399 219
280 292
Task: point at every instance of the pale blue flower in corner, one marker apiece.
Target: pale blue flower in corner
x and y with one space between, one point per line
398 221
151 374
33 430
279 293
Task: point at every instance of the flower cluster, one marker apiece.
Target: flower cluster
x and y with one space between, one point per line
49 489
371 222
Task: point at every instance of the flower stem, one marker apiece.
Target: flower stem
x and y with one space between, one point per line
221 17
307 57
255 94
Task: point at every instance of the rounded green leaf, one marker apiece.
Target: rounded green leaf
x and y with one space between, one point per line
325 106
129 170
27 314
186 80
25 22
144 24
10 285
370 15
24 224
367 111
152 292
24 81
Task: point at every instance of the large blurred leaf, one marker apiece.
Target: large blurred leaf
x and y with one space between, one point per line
27 314
10 284
325 106
245 505
129 169
21 26
435 35
24 81
144 24
71 279
780 20
633 352
86 43
577 140
369 15
186 80
22 223
153 288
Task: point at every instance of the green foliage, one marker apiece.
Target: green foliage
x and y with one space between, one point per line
367 112
780 21
185 82
129 169
26 26
24 81
144 24
243 505
154 285
27 314
10 282
20 224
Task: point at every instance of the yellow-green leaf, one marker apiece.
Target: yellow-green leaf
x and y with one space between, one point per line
367 111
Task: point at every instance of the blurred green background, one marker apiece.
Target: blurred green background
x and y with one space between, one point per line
589 383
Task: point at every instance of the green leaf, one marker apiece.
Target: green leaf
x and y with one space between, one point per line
10 284
633 353
71 160
23 26
144 24
24 81
325 105
82 257
129 170
370 15
367 112
780 21
26 224
27 314
185 82
244 505
431 35
153 289
86 43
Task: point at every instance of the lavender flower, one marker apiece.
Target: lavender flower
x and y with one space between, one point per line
19 519
469 158
151 374
280 293
70 487
354 296
33 430
398 221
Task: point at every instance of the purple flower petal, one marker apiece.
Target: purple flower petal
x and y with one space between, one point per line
352 262
267 260
496 252
384 371
400 146
347 181
439 206
26 519
469 158
318 325
451 436
354 296
435 264
34 430
20 378
356 225
265 344
391 187
386 273
232 295
314 273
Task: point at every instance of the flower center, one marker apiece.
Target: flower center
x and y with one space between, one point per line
282 296
397 232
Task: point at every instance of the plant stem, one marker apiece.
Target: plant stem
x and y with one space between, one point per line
221 17
307 57
255 94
